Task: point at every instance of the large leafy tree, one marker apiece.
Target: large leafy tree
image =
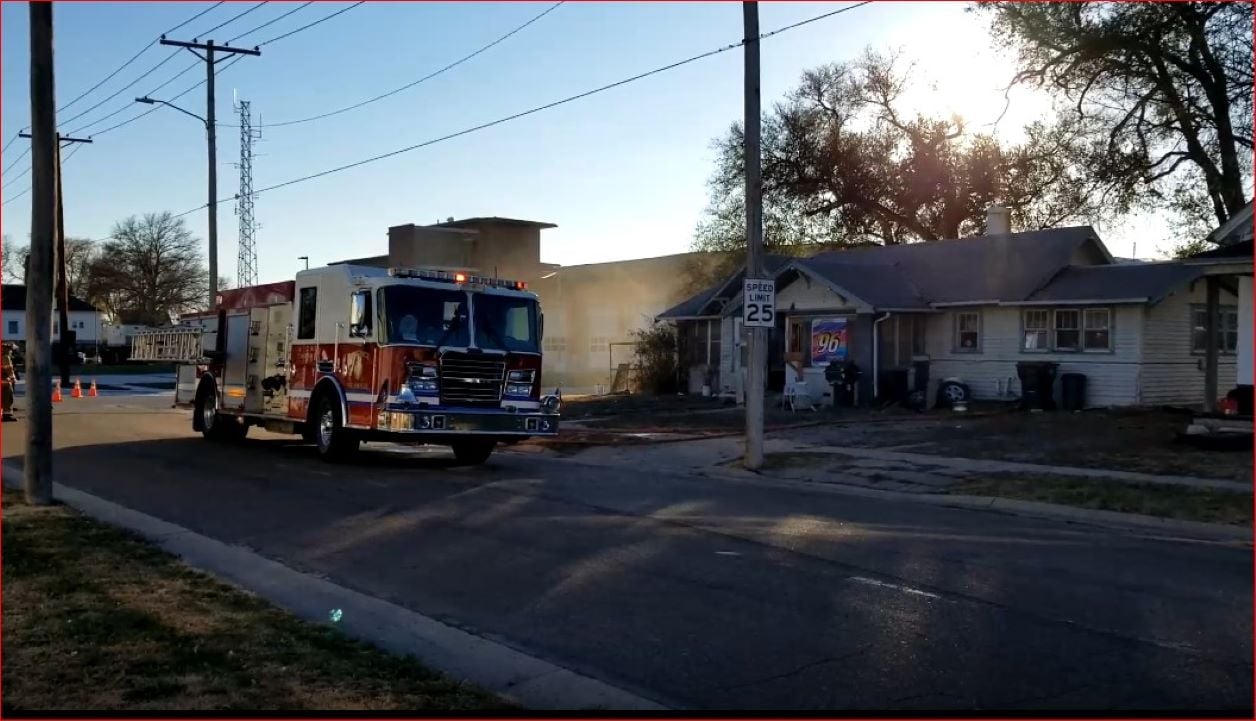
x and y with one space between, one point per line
844 163
1162 92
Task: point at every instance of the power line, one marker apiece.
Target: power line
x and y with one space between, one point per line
17 159
155 108
194 17
64 160
187 69
11 140
539 108
134 57
310 25
154 69
423 79
124 88
272 22
231 20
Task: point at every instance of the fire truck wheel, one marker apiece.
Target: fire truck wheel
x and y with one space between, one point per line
473 453
333 440
215 426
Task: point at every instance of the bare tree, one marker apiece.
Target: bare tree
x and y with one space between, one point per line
1162 91
13 262
149 271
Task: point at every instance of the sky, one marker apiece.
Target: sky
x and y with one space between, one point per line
623 173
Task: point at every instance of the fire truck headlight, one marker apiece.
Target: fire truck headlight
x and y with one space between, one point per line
523 376
550 404
428 371
405 395
423 385
519 389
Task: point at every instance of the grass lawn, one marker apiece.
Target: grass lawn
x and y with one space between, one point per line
95 619
1188 504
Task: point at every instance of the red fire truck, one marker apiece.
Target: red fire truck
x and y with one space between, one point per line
349 353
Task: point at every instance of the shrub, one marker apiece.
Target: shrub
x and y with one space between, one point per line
655 352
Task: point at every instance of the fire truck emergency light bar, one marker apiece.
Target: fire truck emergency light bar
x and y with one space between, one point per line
448 277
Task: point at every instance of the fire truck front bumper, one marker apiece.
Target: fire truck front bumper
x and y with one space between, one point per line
460 423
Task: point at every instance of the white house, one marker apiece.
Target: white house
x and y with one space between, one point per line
973 308
86 321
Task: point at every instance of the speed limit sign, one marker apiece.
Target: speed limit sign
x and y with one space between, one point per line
758 309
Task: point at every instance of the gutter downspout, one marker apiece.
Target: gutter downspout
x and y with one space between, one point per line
876 359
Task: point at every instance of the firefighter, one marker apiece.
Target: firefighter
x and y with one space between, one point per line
8 377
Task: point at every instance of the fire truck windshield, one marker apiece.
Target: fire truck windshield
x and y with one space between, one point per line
506 323
428 316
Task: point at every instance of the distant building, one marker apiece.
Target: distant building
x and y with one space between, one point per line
86 320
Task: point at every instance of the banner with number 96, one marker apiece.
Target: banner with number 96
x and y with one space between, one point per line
828 341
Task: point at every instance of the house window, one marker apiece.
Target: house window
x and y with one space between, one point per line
1097 329
1068 330
968 332
12 327
1037 325
599 344
555 344
1227 329
308 306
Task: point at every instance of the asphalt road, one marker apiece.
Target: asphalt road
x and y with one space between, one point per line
705 594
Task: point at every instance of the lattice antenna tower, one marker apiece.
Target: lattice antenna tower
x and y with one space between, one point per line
246 262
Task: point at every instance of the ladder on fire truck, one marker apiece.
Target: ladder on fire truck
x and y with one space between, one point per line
177 345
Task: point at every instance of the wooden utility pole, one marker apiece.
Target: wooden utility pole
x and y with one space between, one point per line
38 453
754 239
211 137
68 339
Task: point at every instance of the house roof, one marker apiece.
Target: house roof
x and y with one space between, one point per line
13 297
1235 230
1142 282
695 306
1062 265
980 268
1242 249
880 285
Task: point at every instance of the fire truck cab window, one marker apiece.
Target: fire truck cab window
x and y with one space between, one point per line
309 304
426 315
506 323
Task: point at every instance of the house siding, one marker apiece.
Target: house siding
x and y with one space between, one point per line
1112 378
1172 375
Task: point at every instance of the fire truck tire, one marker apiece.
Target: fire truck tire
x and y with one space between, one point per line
334 441
473 453
214 425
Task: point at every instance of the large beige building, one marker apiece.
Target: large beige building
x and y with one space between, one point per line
590 310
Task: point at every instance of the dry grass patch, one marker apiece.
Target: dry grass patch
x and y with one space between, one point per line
97 619
1150 499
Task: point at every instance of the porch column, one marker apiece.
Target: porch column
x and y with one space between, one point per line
1211 328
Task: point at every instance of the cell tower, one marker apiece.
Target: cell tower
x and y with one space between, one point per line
246 263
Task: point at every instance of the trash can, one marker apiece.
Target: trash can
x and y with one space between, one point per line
1073 391
1037 380
843 378
893 386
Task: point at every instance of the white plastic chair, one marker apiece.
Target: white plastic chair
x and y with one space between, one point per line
796 394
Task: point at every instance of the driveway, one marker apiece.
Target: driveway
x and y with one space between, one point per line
703 594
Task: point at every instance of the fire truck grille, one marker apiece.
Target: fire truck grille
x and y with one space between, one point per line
471 381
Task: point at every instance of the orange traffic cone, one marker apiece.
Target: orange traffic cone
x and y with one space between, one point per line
91 392
56 393
77 392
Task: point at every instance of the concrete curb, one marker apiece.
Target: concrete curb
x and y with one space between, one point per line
527 680
1032 509
992 466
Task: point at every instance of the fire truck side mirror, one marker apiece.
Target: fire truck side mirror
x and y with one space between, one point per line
360 314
